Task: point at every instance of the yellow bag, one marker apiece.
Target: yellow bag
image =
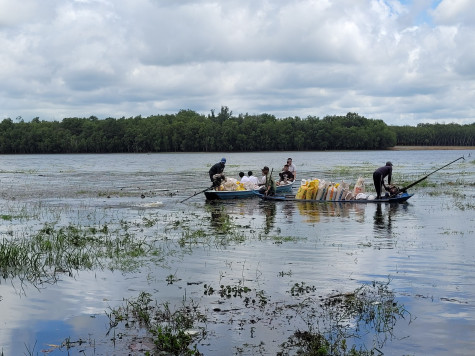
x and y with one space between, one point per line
312 190
301 194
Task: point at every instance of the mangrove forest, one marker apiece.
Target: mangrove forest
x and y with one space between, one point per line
189 131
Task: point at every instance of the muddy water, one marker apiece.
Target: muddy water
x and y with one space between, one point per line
425 249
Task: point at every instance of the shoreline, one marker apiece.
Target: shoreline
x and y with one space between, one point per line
421 148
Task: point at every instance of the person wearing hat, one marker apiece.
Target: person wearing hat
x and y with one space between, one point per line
267 183
378 178
216 172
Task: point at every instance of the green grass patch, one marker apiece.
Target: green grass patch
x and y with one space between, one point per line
54 250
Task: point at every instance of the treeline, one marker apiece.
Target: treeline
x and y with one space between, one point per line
435 135
188 131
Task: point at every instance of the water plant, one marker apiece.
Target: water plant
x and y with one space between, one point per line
172 332
371 309
299 289
52 250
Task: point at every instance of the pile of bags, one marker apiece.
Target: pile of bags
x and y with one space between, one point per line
231 185
319 189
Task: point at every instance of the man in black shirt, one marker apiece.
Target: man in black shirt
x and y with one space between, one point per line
286 174
378 178
217 168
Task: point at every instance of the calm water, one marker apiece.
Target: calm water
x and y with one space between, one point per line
425 248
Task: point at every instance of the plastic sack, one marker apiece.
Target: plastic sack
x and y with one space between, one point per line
230 184
312 189
362 196
322 188
302 192
359 186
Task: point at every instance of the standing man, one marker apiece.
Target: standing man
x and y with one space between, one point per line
292 168
379 175
215 172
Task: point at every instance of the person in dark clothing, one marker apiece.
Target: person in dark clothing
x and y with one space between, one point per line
378 178
286 174
217 169
268 187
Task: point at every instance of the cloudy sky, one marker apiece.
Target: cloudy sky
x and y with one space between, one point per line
402 61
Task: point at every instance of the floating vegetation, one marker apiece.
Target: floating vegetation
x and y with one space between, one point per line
174 332
277 239
354 324
369 310
299 289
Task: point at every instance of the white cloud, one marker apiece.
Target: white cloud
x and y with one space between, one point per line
453 12
383 59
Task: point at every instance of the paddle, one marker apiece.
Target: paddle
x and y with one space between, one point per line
204 190
402 190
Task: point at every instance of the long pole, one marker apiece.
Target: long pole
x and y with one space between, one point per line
204 190
402 190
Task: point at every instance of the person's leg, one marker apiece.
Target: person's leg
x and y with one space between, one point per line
378 183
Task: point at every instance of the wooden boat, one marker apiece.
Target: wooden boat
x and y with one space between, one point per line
399 198
241 194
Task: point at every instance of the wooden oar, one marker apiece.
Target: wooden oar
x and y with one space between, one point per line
204 190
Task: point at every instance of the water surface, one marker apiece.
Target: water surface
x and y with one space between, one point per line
424 248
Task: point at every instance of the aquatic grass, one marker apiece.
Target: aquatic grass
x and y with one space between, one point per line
54 250
175 332
277 239
370 310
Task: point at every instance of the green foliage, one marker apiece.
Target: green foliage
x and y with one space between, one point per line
188 131
435 135
40 257
172 331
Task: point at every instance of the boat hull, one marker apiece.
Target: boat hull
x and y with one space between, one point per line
400 198
243 194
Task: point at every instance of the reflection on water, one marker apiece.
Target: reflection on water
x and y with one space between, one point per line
269 209
384 218
425 247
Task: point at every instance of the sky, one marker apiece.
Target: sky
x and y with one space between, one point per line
404 62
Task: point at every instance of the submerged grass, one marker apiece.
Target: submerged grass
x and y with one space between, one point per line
54 250
370 310
346 324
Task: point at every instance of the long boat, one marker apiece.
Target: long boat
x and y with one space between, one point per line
241 194
399 198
